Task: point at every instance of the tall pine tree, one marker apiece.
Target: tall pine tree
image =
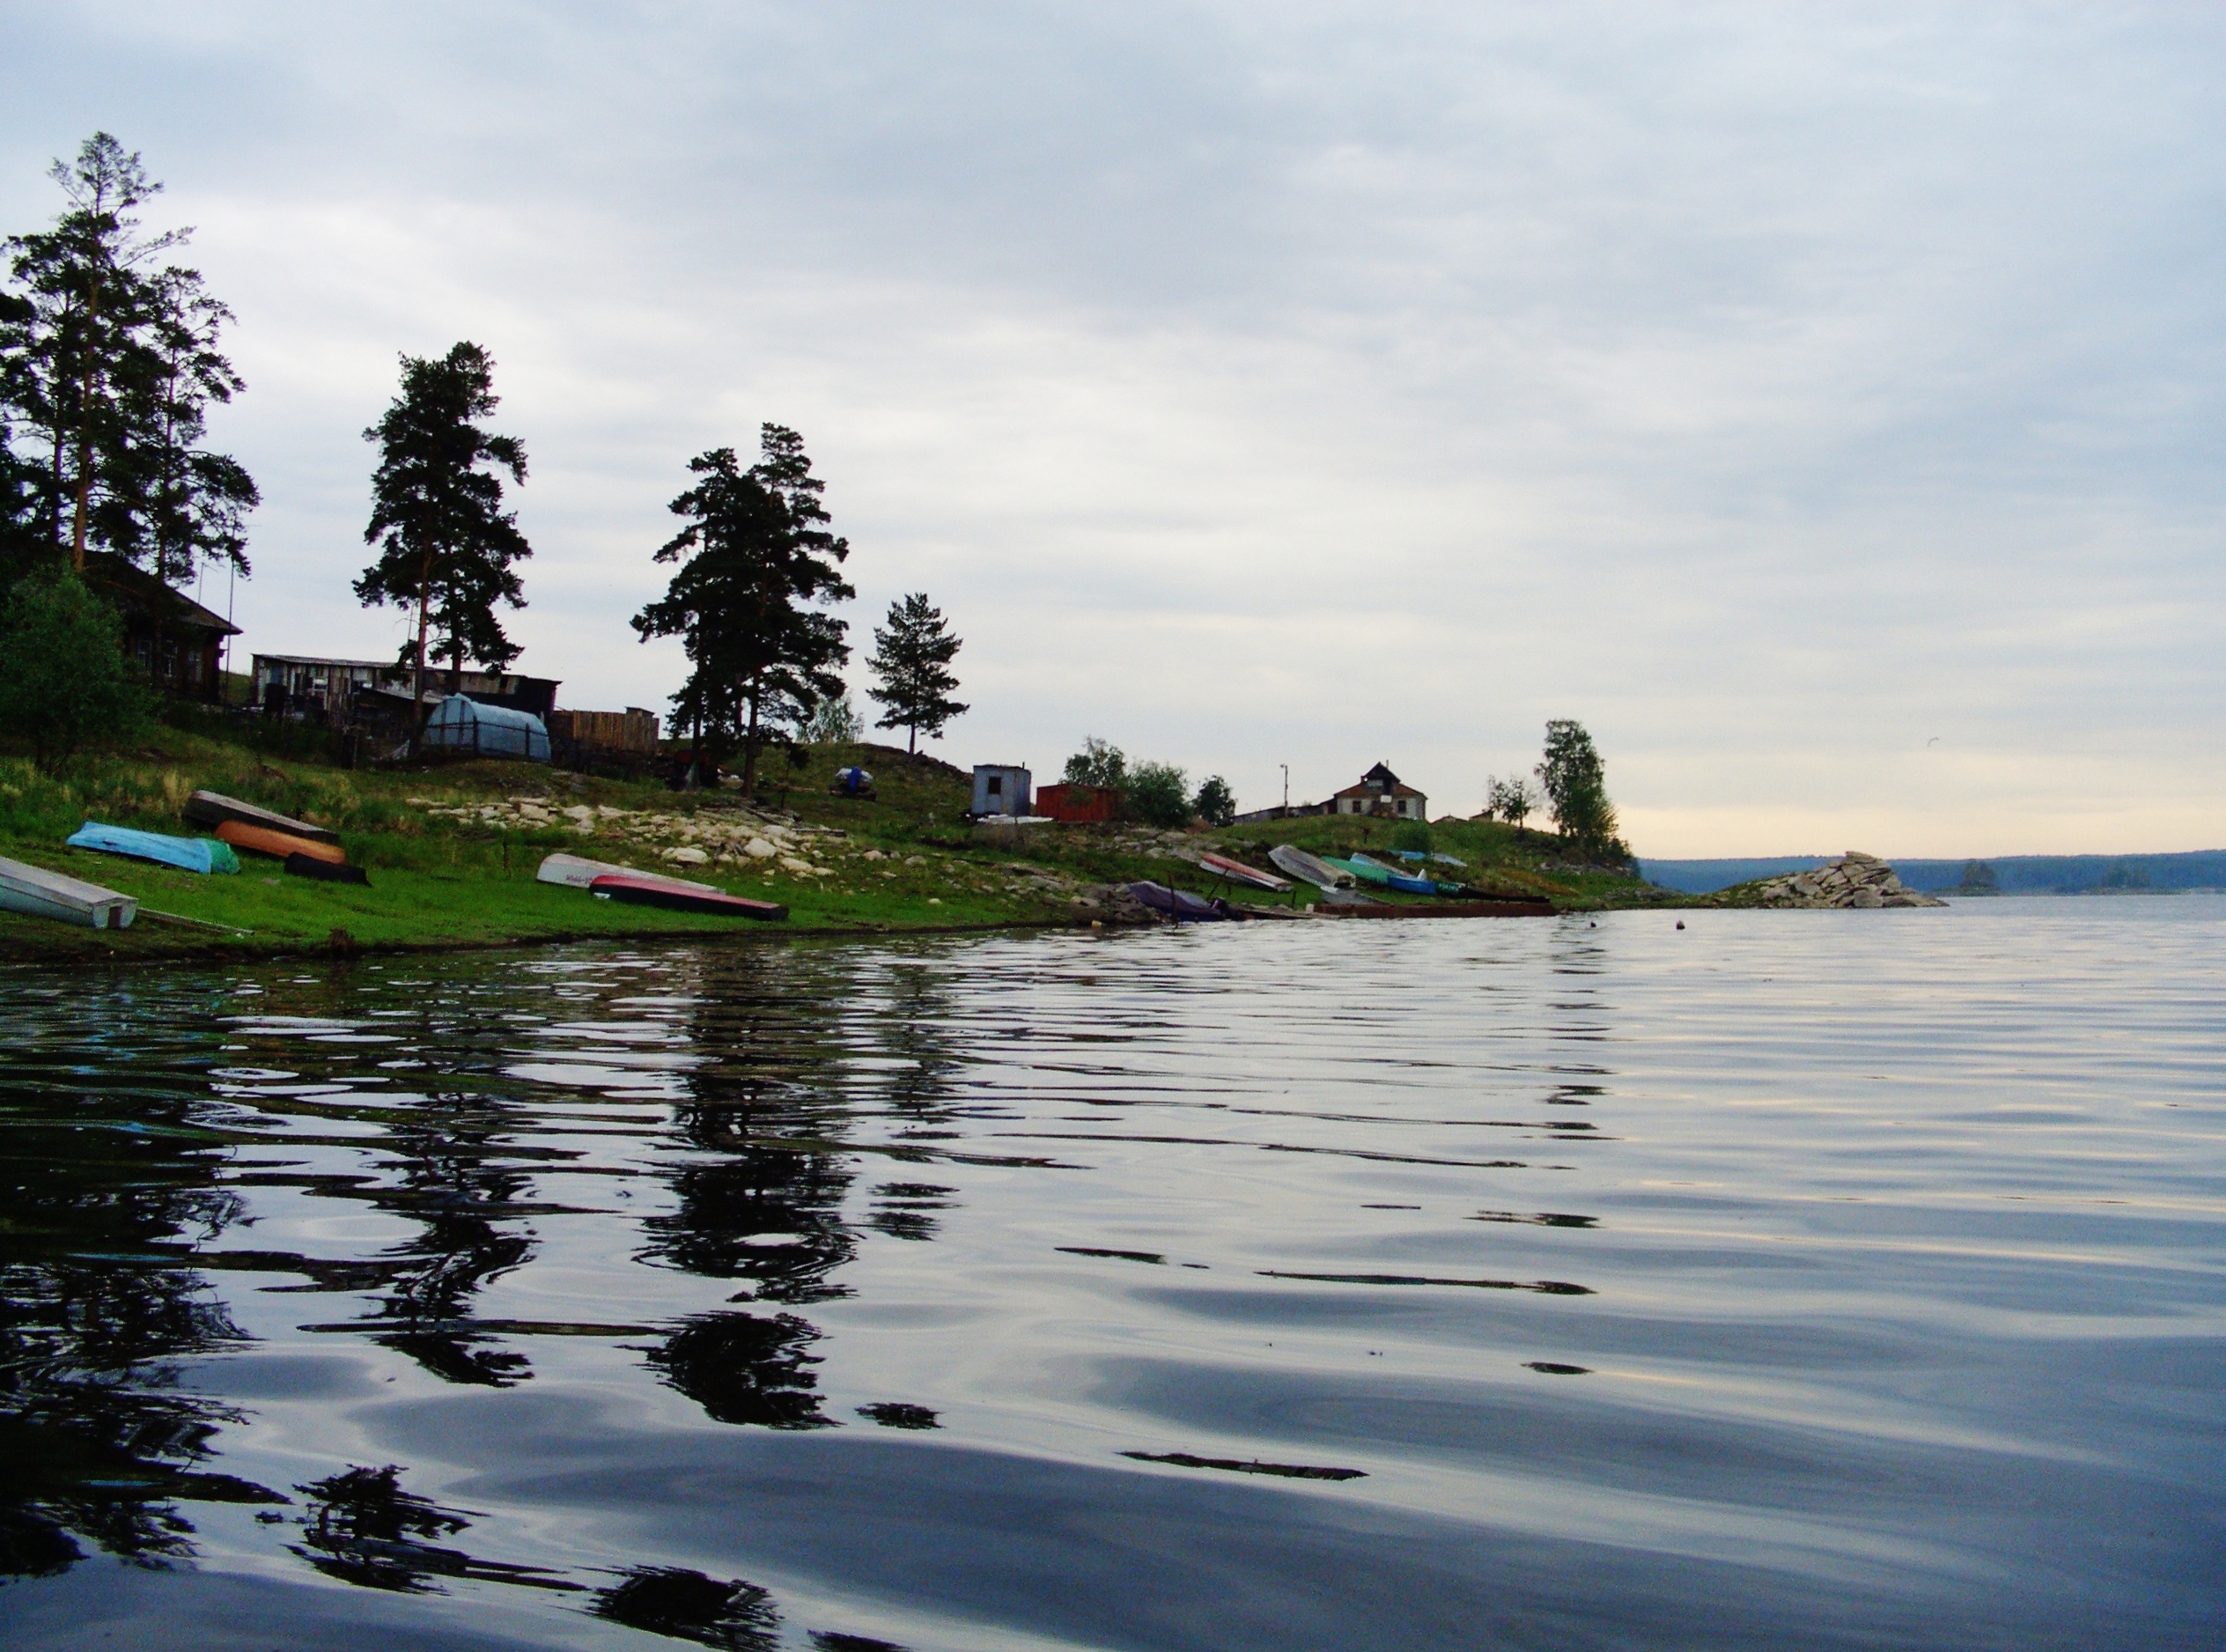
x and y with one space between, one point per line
108 366
194 502
757 565
446 544
912 655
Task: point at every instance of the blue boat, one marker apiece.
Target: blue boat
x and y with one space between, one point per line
189 854
1392 877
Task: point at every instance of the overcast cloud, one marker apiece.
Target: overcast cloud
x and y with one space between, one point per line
1821 403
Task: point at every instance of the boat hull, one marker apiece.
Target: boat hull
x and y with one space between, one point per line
1237 872
574 872
264 840
325 871
36 892
188 854
1179 904
1309 868
674 898
213 809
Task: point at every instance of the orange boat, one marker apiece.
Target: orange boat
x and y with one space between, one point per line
264 840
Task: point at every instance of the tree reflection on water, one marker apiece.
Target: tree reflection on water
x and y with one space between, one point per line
109 1186
397 1097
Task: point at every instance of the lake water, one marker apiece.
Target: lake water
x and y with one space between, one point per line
1792 1279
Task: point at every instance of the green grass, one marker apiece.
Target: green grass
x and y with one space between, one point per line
441 882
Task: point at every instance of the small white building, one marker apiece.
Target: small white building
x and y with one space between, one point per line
1002 788
1381 791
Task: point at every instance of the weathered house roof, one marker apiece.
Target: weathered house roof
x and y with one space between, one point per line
1380 782
139 594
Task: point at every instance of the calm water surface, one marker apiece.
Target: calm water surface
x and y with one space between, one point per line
1796 1280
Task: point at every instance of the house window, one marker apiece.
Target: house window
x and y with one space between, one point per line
997 786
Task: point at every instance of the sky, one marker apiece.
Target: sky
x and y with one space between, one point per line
1823 404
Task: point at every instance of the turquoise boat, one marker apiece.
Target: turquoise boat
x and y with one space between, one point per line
1375 872
189 854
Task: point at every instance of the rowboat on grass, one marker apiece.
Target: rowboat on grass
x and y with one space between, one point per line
674 897
1309 868
213 809
267 840
38 892
574 872
1415 857
325 871
1390 877
189 854
1237 872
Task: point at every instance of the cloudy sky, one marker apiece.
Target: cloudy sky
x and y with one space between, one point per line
1821 403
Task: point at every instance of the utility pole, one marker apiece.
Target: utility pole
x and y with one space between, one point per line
1286 784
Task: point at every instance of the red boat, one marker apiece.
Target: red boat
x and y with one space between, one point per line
675 897
1237 872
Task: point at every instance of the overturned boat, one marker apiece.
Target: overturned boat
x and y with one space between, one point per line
635 890
188 854
38 892
213 809
576 872
1236 872
268 840
1179 904
1309 868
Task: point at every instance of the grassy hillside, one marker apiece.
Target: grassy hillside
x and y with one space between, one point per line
451 850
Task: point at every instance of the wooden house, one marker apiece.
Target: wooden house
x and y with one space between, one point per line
1382 793
178 643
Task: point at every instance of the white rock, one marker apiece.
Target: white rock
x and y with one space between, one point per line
691 857
758 848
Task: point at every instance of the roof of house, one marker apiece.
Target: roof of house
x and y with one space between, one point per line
140 590
1379 782
314 659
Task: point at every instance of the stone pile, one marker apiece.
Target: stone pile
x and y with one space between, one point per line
690 839
1856 880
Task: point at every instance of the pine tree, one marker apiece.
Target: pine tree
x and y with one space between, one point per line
912 656
82 356
194 502
754 557
444 542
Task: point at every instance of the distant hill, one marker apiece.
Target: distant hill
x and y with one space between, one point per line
2014 875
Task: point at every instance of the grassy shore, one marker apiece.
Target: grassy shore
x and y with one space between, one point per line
451 852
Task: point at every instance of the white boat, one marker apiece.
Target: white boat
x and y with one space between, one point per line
1312 868
39 893
575 872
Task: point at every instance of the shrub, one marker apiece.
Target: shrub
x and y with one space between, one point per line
1158 794
64 681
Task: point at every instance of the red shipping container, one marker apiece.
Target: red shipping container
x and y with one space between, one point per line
1077 804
